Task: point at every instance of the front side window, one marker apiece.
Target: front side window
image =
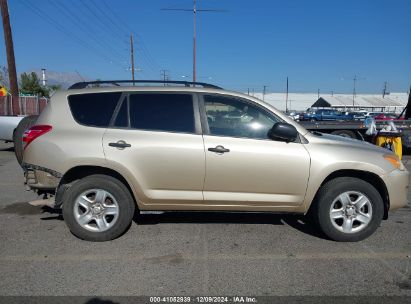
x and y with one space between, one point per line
162 112
228 116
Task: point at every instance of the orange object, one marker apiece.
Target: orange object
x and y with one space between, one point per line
3 91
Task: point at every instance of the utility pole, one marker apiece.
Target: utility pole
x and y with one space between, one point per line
286 98
132 56
11 64
194 10
384 91
164 75
318 93
194 41
264 92
353 92
248 91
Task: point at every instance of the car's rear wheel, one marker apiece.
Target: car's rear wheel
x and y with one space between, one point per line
98 208
348 209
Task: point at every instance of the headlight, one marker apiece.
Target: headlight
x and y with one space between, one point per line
394 160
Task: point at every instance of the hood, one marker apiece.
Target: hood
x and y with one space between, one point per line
323 138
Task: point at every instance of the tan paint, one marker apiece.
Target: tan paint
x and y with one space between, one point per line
175 171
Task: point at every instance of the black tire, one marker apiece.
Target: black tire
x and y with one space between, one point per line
320 210
117 189
345 133
23 125
313 119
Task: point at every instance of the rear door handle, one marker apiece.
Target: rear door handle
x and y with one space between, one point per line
121 144
219 149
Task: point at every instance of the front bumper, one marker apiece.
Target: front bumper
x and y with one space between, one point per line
397 183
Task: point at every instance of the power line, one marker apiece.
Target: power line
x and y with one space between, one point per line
119 21
108 18
60 28
75 13
117 17
194 10
96 17
118 31
85 28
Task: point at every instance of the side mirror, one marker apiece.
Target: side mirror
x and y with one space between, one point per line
283 132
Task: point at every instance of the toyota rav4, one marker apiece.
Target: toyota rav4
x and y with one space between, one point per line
101 153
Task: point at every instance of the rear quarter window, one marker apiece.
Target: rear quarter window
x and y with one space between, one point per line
93 109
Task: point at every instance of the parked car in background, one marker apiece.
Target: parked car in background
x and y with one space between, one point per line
387 116
321 115
294 115
354 116
28 105
372 114
8 125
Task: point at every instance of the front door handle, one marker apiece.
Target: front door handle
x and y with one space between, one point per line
219 149
121 144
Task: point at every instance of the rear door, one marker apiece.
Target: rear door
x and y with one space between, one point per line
156 139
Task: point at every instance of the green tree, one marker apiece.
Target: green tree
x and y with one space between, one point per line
4 77
30 84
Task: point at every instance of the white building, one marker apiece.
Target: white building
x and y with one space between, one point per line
393 102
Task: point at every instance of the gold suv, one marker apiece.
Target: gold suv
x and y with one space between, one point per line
101 152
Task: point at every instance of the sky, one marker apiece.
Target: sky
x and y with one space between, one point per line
318 44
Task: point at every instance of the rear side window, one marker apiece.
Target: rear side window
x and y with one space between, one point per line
94 109
162 112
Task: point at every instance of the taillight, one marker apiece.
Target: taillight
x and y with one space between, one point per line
34 132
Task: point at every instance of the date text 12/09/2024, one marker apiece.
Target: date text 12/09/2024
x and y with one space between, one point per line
204 299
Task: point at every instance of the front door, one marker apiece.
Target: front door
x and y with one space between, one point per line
243 166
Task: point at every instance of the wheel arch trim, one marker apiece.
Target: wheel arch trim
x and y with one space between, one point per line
77 172
369 177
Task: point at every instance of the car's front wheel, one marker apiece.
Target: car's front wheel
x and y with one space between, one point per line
98 208
348 209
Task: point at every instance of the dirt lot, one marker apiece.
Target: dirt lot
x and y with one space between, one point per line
192 253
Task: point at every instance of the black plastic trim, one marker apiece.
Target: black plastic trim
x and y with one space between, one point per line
35 167
85 84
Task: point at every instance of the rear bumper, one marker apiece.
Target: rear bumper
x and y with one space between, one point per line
40 178
397 183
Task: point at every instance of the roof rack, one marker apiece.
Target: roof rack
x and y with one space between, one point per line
85 84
